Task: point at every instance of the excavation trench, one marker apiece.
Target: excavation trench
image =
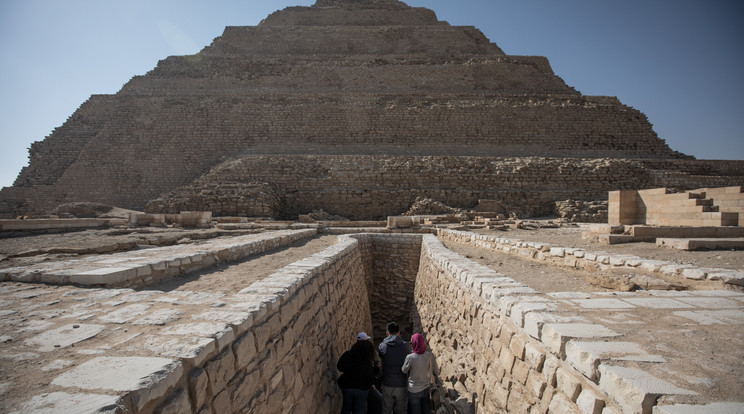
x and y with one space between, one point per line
305 315
264 335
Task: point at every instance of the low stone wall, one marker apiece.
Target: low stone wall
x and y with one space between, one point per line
582 259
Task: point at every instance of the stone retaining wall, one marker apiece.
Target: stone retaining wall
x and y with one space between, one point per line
468 313
391 262
281 355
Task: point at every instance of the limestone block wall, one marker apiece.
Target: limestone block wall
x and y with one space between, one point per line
368 186
280 354
283 357
234 74
379 186
728 199
469 315
335 40
391 262
223 199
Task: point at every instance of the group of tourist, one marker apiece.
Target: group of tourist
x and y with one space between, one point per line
396 383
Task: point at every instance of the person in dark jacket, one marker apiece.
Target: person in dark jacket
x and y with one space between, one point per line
357 366
393 351
374 398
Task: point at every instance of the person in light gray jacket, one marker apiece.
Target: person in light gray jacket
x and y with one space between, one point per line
421 366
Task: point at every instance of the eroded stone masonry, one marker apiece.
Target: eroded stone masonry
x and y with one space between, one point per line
355 107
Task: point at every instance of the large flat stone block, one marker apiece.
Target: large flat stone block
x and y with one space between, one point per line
64 336
717 408
556 335
65 403
143 379
635 391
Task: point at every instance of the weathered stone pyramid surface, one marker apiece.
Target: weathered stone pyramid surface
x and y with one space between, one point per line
356 107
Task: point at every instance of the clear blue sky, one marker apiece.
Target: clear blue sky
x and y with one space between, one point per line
681 62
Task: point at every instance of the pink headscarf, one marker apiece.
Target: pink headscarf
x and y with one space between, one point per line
418 344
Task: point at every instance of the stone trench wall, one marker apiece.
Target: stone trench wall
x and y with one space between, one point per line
494 338
391 263
283 359
303 317
472 324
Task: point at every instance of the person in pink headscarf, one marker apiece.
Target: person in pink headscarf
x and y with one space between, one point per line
421 366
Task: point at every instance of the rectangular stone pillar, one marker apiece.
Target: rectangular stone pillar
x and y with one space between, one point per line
623 208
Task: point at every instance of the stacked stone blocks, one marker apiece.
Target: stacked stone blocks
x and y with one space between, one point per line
659 207
530 356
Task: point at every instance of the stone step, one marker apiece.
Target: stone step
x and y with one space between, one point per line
702 243
687 232
345 40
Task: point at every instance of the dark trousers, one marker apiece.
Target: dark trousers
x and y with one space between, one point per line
374 402
418 402
355 401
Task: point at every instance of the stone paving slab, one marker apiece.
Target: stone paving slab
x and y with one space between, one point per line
717 408
63 336
556 335
586 356
142 378
634 390
66 403
702 243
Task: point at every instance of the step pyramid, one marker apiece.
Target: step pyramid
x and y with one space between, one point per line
357 107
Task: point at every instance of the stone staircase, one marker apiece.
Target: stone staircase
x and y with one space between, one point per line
696 208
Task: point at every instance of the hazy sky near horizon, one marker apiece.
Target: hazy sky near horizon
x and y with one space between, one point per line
678 61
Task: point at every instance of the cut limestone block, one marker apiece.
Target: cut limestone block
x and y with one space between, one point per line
586 356
64 336
718 408
64 403
556 335
144 379
635 391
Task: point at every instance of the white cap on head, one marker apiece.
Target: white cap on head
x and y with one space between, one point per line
362 336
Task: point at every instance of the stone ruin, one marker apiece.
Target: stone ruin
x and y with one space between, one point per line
356 108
